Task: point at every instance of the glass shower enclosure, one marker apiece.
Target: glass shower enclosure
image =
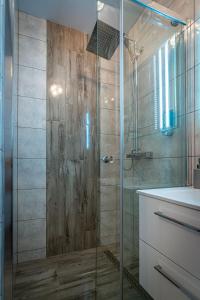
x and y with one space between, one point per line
115 123
141 99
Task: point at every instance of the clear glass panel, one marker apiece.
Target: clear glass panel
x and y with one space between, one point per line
108 250
2 20
57 153
154 114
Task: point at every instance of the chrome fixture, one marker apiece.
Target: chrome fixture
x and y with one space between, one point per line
162 11
108 159
139 155
134 51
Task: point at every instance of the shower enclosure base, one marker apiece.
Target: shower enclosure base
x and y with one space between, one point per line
72 277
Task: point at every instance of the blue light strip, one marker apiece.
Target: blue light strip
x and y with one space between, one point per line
160 10
175 83
167 108
160 87
155 93
87 130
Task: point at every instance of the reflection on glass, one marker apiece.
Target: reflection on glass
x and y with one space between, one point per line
56 90
100 5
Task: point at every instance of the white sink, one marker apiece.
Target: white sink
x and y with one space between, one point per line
186 196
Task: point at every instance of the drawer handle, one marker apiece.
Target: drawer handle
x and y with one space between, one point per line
186 225
160 270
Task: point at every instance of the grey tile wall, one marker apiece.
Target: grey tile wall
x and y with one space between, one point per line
31 112
31 173
34 56
32 27
193 95
15 136
31 204
31 235
31 138
31 143
32 82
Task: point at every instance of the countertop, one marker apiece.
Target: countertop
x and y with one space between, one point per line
184 196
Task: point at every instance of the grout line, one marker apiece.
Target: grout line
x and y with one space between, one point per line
31 98
108 134
27 127
44 189
31 250
107 108
30 189
31 37
27 220
34 68
25 158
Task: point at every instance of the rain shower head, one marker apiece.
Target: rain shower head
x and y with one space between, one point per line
104 40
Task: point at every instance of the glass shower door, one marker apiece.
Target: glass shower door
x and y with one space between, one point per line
108 245
154 121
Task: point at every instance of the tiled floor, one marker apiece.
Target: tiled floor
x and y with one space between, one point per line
71 277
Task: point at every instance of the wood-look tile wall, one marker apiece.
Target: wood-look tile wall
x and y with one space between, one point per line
72 145
109 145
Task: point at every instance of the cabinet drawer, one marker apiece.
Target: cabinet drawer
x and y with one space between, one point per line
173 231
172 282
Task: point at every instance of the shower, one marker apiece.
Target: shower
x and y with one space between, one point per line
105 39
82 110
134 53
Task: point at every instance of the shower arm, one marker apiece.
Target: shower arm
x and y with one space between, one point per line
161 10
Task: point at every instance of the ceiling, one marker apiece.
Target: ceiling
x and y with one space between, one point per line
79 14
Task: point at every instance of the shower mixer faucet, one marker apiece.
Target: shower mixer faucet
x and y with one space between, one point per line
140 155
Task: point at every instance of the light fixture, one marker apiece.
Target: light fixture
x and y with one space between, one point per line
87 131
165 88
160 87
167 107
100 6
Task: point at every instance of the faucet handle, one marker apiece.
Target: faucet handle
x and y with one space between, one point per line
108 159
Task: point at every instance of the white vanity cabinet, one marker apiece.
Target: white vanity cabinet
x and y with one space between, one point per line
169 233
